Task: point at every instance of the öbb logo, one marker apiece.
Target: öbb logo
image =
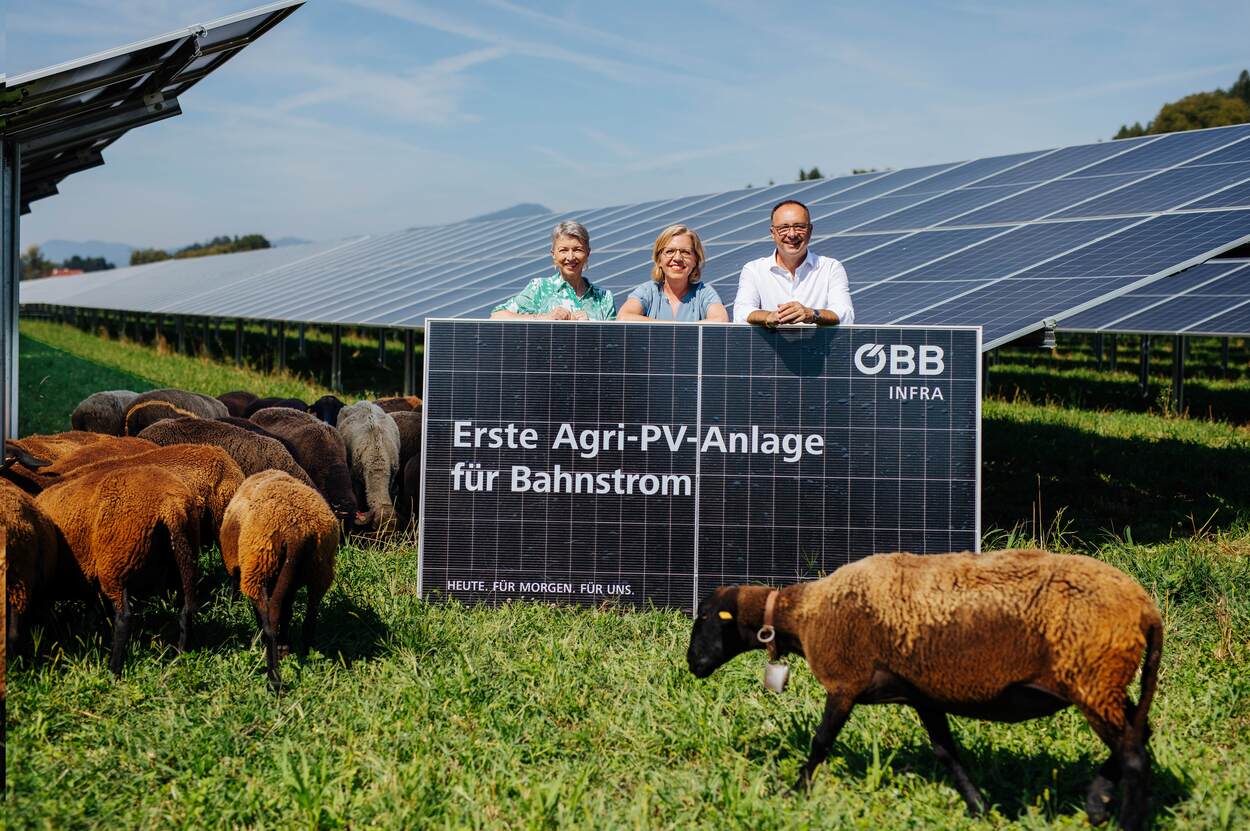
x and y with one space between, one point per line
871 358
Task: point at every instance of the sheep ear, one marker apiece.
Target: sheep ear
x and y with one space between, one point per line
723 615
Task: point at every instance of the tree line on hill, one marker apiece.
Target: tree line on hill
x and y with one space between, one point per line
34 265
216 245
1218 108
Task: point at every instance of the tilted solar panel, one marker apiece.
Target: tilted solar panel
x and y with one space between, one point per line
1009 243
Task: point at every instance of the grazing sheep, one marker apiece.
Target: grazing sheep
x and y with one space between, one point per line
61 452
263 403
319 449
408 504
327 408
130 528
29 549
399 403
237 401
251 451
278 536
372 440
208 471
409 424
103 412
1003 636
151 407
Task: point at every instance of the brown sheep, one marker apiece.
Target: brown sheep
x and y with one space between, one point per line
130 527
278 536
238 401
399 403
263 403
319 450
1004 636
208 471
151 407
252 452
65 451
103 412
410 433
30 546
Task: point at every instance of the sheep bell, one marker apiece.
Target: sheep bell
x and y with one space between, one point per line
718 635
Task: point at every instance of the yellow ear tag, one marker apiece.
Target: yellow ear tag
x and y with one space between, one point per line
725 615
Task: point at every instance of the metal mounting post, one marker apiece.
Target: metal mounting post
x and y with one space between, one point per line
1111 353
238 341
409 362
281 346
1143 377
1178 373
1098 350
382 348
181 327
336 359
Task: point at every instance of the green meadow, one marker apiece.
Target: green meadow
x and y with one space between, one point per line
409 714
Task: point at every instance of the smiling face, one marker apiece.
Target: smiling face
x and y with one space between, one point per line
717 635
570 255
791 231
678 259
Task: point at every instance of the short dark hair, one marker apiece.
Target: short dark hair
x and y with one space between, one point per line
785 202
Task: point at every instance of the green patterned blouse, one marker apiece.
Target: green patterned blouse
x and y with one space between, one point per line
546 293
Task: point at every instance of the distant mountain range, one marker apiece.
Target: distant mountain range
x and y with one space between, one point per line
117 253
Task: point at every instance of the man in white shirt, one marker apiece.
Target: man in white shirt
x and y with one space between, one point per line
793 285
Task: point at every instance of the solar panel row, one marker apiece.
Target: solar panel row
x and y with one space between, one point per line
1005 243
1209 299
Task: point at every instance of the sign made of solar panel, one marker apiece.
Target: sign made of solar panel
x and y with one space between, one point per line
647 463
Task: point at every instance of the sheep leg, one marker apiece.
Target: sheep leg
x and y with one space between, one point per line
837 710
184 556
944 747
310 619
1128 762
122 620
271 640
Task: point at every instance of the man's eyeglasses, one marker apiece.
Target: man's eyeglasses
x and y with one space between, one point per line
797 228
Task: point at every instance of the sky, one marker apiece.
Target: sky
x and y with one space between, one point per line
367 116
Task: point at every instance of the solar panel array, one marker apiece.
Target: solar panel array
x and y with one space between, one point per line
1209 299
1005 243
65 116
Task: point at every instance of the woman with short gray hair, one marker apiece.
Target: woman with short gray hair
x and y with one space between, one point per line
567 294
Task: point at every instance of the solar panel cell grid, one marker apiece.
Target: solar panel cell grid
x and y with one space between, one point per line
1042 200
911 251
1169 150
1064 161
938 208
1160 192
1234 322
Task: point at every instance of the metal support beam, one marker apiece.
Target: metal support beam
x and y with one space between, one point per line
302 350
10 216
238 341
281 346
1098 350
180 325
1224 355
382 348
1178 373
1111 353
1143 375
409 360
336 359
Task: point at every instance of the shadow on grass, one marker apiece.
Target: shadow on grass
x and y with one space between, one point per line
349 630
1011 782
1158 488
1121 392
52 383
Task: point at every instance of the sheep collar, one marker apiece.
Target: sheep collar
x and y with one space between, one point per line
775 674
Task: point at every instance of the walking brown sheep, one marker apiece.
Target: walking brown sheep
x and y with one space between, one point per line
1003 636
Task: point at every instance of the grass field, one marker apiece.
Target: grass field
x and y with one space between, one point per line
436 715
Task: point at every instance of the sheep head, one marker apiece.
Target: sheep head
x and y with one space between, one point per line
725 627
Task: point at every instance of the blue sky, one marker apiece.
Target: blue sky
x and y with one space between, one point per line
360 116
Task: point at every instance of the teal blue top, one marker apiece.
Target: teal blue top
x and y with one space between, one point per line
699 298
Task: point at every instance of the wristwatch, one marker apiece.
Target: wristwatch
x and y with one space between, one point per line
815 316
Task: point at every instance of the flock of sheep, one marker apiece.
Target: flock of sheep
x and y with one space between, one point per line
121 505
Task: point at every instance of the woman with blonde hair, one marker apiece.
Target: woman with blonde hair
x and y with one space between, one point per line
675 291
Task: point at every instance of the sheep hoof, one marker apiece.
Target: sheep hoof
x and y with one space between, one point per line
1098 803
